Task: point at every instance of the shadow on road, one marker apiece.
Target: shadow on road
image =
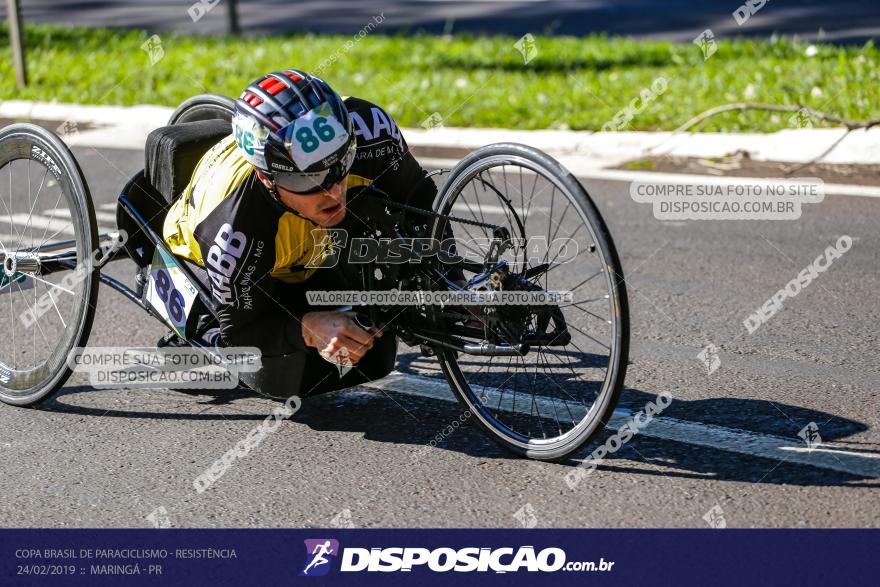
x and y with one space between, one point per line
430 424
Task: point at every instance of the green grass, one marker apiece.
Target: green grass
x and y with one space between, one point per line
576 83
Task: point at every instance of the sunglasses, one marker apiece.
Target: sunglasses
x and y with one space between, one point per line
317 181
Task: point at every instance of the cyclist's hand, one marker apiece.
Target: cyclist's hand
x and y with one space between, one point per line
337 337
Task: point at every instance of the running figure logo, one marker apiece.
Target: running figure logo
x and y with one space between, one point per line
318 552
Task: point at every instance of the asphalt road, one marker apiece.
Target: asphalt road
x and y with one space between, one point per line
358 457
847 21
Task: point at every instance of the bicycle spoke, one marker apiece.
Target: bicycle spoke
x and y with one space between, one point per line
549 376
468 232
501 394
604 346
548 373
36 319
479 205
43 238
522 197
534 405
597 273
15 233
31 211
55 285
552 202
584 310
504 207
34 341
60 317
12 327
575 374
532 197
590 301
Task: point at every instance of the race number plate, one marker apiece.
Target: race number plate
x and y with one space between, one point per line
169 291
314 136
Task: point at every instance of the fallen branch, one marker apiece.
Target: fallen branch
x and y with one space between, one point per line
850 125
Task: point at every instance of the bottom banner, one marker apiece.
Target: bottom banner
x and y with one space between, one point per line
352 556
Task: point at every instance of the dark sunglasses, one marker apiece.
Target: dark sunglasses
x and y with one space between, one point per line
317 181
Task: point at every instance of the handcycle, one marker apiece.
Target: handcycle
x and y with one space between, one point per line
542 379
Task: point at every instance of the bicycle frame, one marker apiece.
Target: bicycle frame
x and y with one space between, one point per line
411 331
427 268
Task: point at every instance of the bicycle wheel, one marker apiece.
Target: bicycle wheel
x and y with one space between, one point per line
203 107
553 399
46 214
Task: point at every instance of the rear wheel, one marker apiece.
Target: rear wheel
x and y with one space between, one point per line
203 107
45 211
551 400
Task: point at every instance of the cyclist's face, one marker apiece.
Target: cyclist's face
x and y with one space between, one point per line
325 208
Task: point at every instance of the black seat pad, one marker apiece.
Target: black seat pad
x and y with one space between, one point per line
172 153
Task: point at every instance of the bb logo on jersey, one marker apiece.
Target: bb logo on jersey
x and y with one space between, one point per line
222 259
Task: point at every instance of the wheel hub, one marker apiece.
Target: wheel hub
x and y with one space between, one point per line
15 264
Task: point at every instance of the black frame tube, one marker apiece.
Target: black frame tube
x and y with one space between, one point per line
158 242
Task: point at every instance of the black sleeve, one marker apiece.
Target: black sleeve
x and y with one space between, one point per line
384 157
399 175
270 325
406 179
239 254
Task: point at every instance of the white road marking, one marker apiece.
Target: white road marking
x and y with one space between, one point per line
55 223
824 456
778 448
11 241
43 223
99 215
500 399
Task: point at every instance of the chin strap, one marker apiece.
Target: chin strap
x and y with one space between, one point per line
273 194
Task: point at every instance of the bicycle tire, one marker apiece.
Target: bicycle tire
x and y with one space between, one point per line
203 107
28 141
471 166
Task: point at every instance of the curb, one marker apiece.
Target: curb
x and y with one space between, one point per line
586 170
614 148
584 152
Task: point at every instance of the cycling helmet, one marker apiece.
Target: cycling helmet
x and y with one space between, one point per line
295 129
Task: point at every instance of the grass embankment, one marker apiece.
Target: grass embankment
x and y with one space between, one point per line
576 83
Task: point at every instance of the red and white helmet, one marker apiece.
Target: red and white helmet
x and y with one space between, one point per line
296 130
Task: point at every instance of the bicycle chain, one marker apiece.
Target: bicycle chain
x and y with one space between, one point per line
433 214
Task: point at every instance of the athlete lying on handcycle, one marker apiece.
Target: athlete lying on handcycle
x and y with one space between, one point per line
249 215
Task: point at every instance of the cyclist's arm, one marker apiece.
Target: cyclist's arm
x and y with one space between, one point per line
401 176
239 255
274 328
408 180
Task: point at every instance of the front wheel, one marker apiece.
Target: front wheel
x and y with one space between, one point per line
549 401
46 220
